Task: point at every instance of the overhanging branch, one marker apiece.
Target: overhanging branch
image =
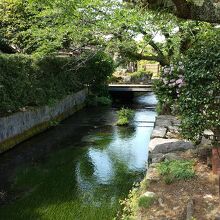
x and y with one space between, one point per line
202 10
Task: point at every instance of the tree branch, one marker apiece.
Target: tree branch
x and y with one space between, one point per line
203 10
162 60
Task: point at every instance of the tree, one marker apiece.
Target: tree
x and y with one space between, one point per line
177 35
49 26
74 26
201 10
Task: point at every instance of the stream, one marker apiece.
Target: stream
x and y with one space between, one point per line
79 169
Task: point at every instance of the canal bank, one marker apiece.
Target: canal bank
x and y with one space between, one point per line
22 125
79 169
179 183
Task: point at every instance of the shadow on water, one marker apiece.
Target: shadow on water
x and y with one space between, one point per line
79 169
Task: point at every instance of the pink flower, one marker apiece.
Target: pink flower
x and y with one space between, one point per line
179 81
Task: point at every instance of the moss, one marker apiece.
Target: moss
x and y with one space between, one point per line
11 142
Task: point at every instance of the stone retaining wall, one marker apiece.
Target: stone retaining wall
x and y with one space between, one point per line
165 144
23 125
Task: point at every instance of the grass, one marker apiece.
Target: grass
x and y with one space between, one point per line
145 201
176 170
124 115
136 201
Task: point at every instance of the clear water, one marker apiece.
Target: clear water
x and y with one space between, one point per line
81 168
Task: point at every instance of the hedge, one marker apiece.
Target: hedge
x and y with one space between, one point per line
26 81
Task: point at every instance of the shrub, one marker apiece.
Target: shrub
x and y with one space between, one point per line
27 81
167 87
123 121
189 88
198 106
96 71
140 74
176 170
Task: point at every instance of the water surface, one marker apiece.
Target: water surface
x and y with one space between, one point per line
79 169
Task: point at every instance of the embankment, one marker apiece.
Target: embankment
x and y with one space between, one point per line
20 126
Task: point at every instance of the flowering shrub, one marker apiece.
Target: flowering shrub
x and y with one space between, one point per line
198 105
190 88
167 88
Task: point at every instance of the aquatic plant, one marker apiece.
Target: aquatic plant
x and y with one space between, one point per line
124 116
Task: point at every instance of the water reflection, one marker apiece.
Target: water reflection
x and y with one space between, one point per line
85 174
116 158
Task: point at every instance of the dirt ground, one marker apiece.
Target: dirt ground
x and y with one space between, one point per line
172 200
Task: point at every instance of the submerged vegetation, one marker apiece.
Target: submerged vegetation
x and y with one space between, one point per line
125 115
82 175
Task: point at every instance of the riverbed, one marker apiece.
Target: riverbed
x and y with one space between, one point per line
79 169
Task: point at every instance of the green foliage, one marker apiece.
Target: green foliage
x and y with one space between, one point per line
123 121
145 201
189 87
125 112
130 205
94 100
124 116
43 27
27 81
167 88
176 170
138 76
104 100
198 106
97 69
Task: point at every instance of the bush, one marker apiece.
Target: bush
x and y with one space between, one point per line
27 81
167 88
189 88
140 74
96 72
124 116
198 106
176 170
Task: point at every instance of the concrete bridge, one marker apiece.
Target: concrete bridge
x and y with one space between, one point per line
129 88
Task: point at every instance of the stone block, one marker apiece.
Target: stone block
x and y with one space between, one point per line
161 145
159 132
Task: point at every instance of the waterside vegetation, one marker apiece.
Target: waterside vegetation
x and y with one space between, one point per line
28 82
125 115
